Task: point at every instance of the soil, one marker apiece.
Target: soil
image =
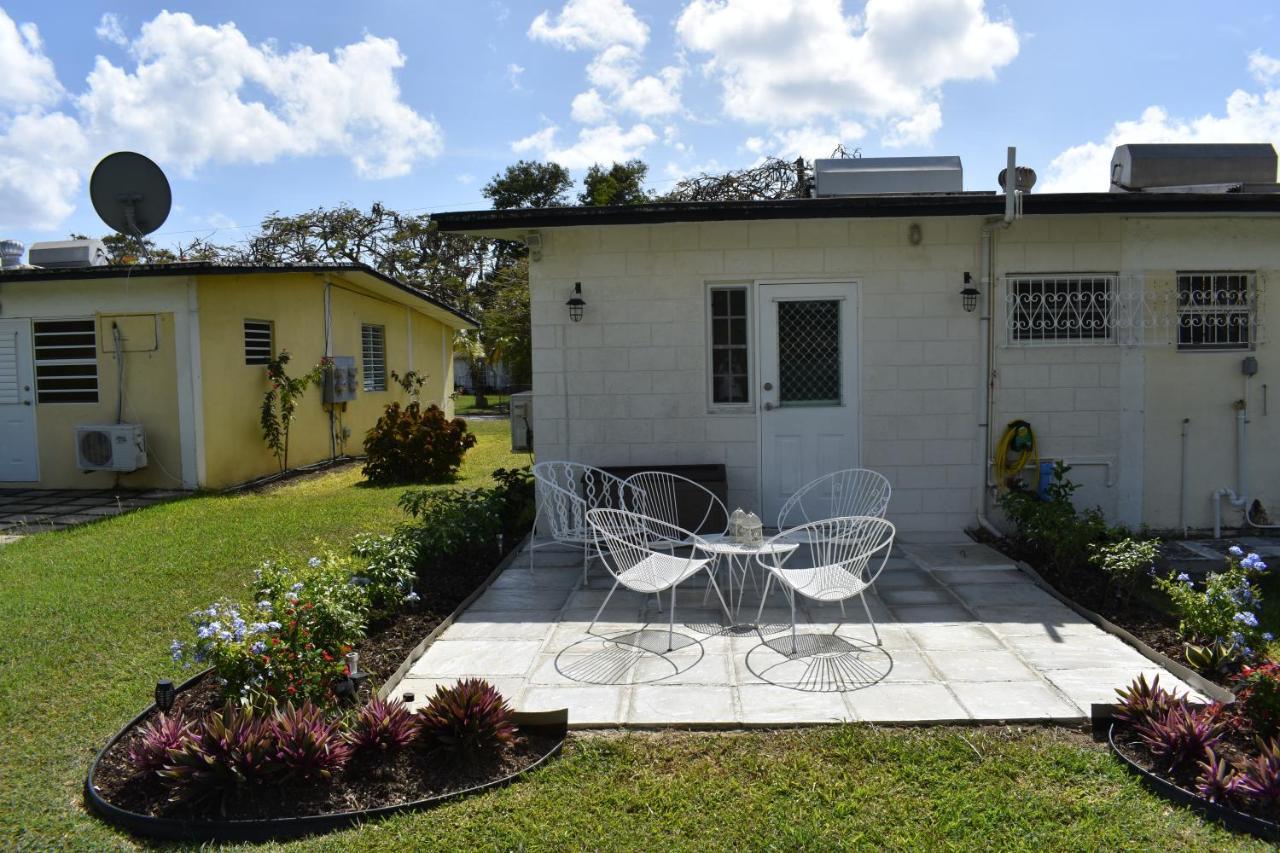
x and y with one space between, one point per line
368 781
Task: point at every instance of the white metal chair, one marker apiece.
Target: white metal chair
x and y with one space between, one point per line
564 493
840 494
840 554
657 494
631 547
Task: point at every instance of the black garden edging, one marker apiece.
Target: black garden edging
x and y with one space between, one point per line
554 723
1229 817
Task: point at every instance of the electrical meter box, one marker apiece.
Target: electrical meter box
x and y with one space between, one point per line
340 380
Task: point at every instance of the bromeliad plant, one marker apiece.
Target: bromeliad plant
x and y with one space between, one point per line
1183 737
1141 702
308 745
1223 612
383 726
227 751
466 721
151 750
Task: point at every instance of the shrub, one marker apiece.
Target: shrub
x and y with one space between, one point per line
1183 736
227 642
1144 702
227 750
280 402
387 565
1258 697
150 751
1260 780
415 445
1225 610
466 720
1217 780
382 725
456 525
309 746
1051 532
1125 562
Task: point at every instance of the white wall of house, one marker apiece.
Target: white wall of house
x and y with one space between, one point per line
629 384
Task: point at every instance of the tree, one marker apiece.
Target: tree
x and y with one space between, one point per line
529 183
772 179
505 326
123 250
621 183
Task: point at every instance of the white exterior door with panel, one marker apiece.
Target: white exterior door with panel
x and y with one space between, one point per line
18 461
808 386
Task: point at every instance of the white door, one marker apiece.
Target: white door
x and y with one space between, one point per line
808 386
17 404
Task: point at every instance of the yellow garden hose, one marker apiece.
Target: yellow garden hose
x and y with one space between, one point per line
1018 439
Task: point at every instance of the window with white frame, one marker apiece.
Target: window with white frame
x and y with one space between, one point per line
1060 308
1216 310
257 341
730 362
373 356
66 361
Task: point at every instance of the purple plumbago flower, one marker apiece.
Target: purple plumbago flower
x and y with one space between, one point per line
1268 636
1183 577
1246 618
412 598
175 649
258 647
264 606
314 563
1235 551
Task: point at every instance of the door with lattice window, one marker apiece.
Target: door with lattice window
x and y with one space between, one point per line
18 462
808 386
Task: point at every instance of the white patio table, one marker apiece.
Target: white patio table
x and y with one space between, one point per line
740 557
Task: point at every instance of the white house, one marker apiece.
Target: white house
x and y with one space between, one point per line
785 339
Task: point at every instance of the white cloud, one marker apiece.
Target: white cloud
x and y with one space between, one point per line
110 30
607 143
591 25
196 95
27 77
1248 117
514 72
589 108
464 178
791 61
809 141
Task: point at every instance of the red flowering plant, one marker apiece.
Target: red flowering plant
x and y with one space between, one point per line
1258 698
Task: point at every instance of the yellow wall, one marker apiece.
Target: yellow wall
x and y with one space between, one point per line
233 391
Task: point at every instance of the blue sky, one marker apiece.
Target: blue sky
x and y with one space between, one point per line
282 106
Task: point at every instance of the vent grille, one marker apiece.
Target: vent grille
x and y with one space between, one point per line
257 341
373 352
66 361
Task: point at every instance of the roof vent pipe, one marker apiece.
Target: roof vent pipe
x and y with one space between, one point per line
11 253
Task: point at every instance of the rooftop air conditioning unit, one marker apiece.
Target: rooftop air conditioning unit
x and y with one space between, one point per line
522 421
884 175
111 447
68 254
1194 167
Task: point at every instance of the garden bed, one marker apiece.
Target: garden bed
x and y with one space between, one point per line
368 786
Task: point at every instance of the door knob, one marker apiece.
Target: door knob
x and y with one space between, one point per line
768 386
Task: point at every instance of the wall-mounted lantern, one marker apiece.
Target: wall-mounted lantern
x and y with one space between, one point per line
576 303
969 296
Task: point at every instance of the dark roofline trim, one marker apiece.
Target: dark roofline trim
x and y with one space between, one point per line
869 207
205 268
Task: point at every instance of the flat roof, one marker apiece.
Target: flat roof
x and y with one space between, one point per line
865 206
181 268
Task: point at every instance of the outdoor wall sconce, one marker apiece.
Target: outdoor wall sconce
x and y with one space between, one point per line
165 694
969 296
576 303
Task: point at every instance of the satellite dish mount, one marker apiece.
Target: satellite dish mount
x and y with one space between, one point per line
130 194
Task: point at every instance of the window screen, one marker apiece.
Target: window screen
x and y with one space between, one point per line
66 361
1215 310
373 348
730 379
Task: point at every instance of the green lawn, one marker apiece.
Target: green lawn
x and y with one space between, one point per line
86 616
465 404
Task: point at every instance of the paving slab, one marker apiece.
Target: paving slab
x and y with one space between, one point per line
962 636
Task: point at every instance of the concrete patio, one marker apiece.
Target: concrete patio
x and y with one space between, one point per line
966 637
27 511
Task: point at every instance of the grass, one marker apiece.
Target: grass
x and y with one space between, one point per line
465 404
86 616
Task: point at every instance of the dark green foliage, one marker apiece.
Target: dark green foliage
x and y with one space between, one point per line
1258 695
309 746
151 749
1143 702
468 527
621 183
382 725
529 183
1052 533
227 750
467 720
415 445
280 402
1215 657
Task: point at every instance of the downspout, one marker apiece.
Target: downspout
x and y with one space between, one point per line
986 328
1238 497
1182 476
328 353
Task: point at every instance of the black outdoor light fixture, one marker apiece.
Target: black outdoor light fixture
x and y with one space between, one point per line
970 294
576 303
165 694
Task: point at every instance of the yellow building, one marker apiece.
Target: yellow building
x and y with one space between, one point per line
180 351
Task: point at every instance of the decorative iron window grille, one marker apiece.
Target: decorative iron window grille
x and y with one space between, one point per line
66 361
730 362
257 341
1216 310
373 351
1061 309
809 352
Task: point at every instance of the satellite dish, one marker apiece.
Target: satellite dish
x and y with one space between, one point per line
130 193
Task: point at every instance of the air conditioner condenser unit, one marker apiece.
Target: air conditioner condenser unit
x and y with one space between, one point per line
111 447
